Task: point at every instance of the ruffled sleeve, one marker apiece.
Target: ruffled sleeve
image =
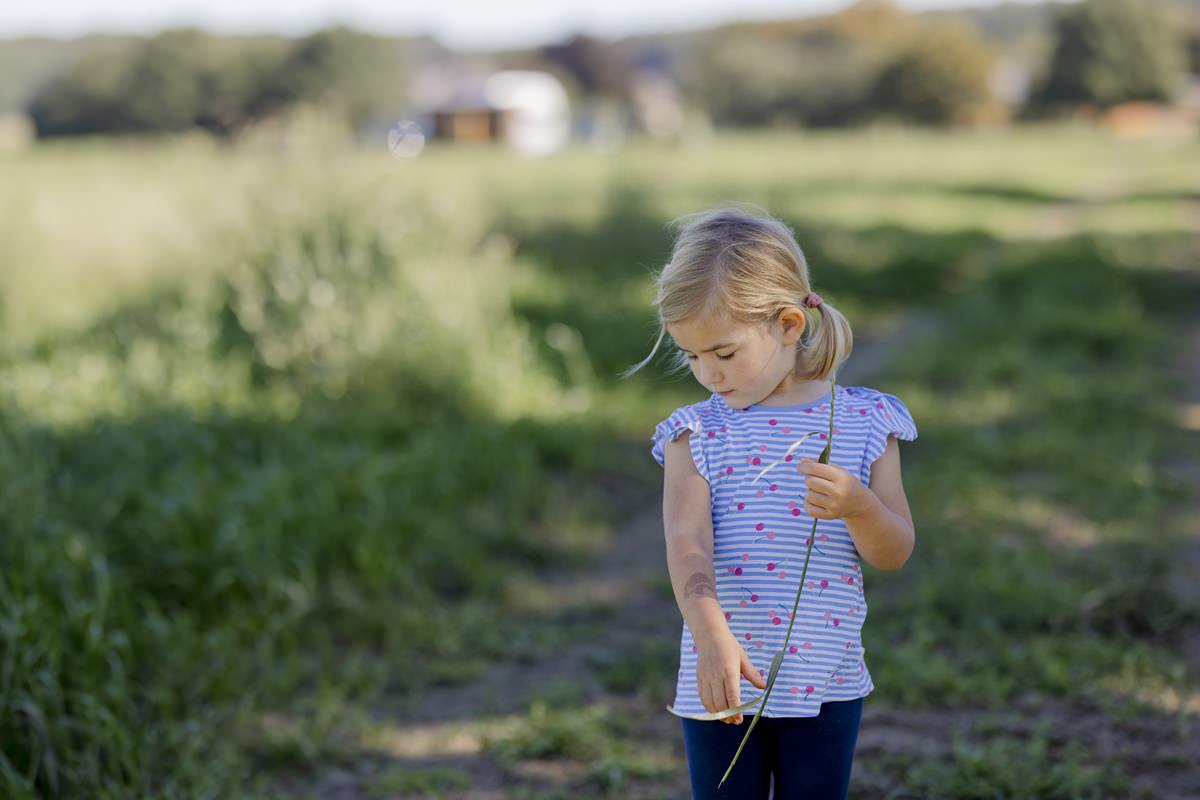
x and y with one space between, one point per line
681 419
889 417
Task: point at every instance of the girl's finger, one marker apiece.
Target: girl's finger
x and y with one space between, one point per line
731 692
709 701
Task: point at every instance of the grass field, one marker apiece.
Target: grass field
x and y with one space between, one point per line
290 435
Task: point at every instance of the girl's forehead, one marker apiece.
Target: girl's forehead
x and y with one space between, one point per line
706 332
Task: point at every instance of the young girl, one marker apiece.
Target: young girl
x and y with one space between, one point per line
737 302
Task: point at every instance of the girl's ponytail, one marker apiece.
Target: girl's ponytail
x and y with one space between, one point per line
826 343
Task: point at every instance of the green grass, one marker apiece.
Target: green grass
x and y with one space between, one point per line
279 435
1007 767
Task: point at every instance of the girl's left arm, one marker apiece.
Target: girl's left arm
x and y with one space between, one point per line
882 527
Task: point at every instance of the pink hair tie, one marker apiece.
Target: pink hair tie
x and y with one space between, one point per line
813 300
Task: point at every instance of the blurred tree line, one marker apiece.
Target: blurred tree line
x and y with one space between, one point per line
872 60
1112 51
185 78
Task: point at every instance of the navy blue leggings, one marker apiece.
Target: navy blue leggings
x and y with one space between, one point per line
808 757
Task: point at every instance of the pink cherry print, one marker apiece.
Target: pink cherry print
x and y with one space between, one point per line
728 616
791 503
782 574
758 643
737 571
747 636
745 556
770 534
828 614
756 461
878 405
741 506
841 680
788 457
759 526
836 622
763 448
808 645
773 487
753 598
795 690
776 620
759 493
811 584
770 422
770 566
822 435
792 649
729 470
809 689
824 537
786 429
808 411
862 411
693 648
850 581
795 512
729 568
742 603
712 434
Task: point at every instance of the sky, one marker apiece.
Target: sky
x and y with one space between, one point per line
466 24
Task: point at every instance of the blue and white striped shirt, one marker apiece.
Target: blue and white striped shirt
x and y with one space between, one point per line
760 536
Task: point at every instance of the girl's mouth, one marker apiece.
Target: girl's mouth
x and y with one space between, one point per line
726 392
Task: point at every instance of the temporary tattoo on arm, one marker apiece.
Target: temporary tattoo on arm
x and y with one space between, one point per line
700 585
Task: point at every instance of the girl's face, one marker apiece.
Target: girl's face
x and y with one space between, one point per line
745 363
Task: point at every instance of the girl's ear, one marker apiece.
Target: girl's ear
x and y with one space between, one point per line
793 323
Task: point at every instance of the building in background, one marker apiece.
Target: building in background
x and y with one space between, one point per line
528 110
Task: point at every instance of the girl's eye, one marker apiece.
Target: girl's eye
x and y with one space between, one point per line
723 358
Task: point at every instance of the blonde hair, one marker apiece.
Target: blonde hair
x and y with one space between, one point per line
746 267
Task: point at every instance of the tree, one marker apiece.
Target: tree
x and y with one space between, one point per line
597 67
1108 52
171 82
357 74
939 76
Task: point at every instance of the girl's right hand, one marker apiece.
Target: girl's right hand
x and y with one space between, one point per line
720 665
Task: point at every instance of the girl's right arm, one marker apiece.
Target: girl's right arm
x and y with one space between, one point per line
687 518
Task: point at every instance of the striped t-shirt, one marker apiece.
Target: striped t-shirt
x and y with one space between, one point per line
760 536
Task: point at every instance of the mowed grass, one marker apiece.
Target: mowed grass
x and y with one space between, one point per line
282 432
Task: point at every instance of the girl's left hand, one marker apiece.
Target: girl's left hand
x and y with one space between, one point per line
832 491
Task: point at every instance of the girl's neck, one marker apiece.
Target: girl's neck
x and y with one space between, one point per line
793 391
